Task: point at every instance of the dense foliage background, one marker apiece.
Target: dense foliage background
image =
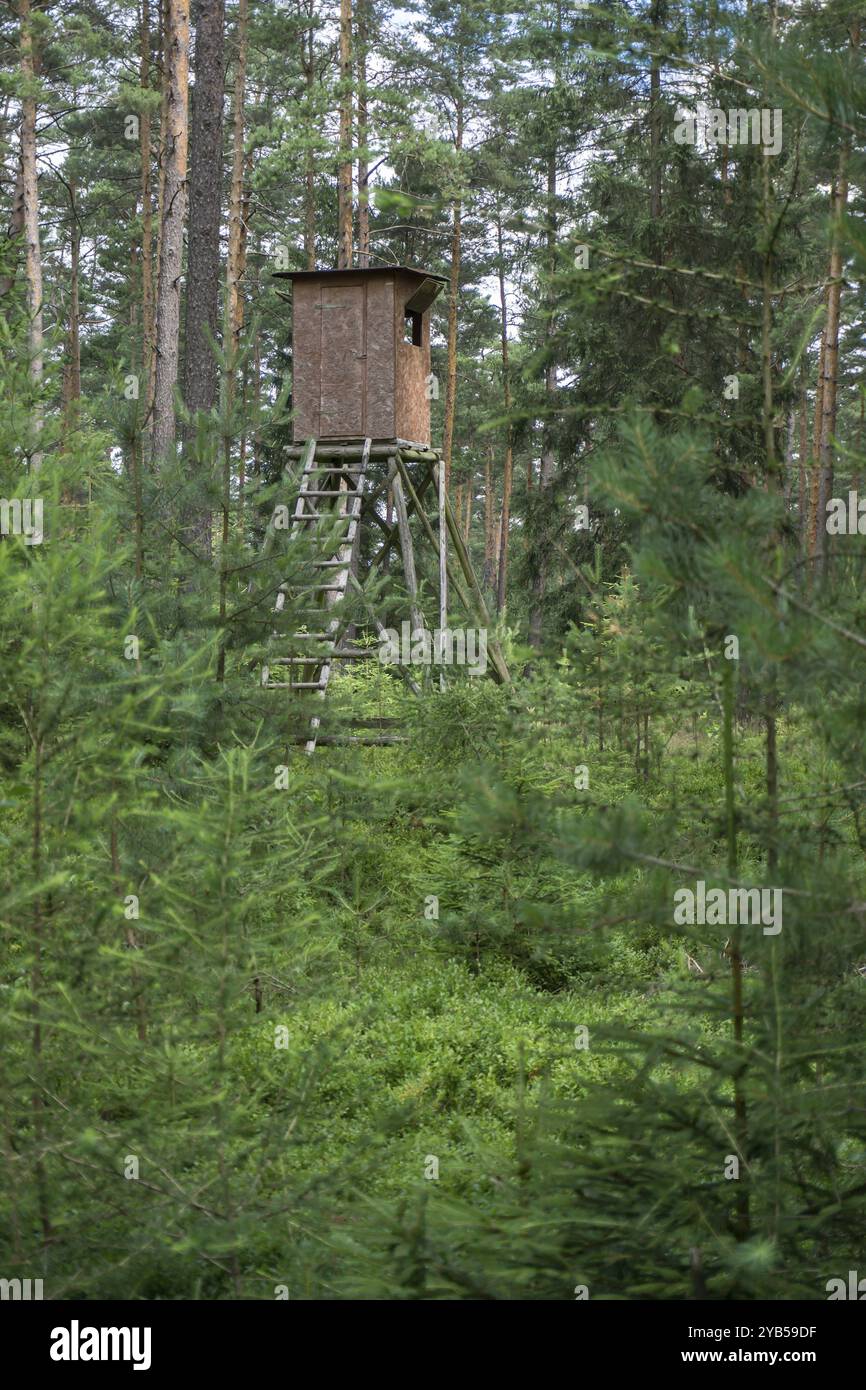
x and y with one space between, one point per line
417 1021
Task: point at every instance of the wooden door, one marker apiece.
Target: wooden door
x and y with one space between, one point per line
343 376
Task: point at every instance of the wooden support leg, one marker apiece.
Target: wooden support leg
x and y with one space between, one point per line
407 552
391 530
415 502
443 568
500 670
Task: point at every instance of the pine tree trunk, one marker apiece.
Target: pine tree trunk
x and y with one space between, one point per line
363 160
789 457
257 386
174 156
548 456
489 534
830 381
655 145
855 480
825 420
72 372
505 517
309 158
233 319
147 324
344 189
201 326
162 148
655 123
30 192
453 295
816 449
804 448
234 308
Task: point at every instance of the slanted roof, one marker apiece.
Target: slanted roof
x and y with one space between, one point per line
427 288
370 270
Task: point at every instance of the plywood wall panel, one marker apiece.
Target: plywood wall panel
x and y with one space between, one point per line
306 359
341 410
354 373
381 380
412 408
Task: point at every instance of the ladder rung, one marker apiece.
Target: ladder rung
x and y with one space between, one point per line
327 597
376 740
298 685
323 516
321 659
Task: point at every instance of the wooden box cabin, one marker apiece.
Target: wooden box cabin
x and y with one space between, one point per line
361 353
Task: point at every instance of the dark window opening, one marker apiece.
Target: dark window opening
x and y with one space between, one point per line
412 333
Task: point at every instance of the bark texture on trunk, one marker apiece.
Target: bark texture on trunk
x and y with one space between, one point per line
30 200
453 294
162 146
363 158
489 532
830 374
816 448
802 516
309 156
147 307
505 518
657 17
72 366
548 453
234 309
344 176
174 159
201 324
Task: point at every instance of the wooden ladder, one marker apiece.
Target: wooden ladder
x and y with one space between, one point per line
328 496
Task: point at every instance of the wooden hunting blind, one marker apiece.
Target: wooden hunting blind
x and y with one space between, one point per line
361 464
361 353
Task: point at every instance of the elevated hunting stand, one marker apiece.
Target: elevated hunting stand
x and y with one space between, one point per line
364 464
